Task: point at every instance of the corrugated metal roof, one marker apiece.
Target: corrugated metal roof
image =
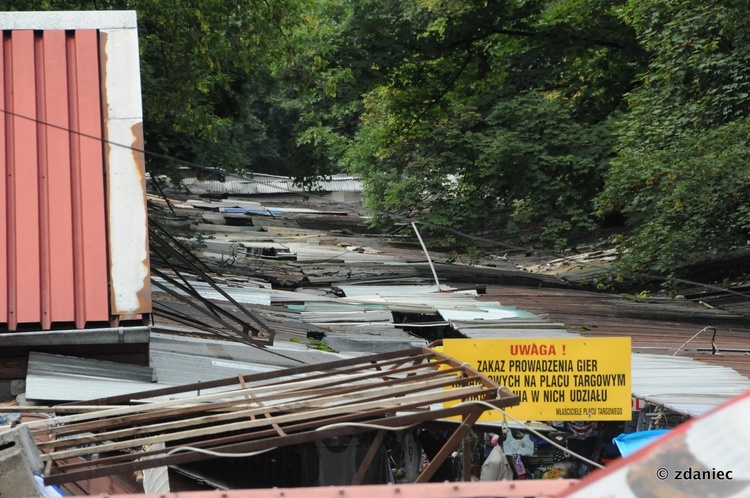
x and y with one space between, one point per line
482 311
64 378
261 185
535 326
693 382
233 354
685 385
656 326
247 295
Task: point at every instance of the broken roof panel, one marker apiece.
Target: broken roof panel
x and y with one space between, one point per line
259 184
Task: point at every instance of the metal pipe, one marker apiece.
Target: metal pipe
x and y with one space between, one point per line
434 274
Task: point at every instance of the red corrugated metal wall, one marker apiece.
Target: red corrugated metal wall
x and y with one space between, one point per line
53 266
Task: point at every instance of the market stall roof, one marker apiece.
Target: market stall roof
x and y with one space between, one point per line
684 385
258 412
680 383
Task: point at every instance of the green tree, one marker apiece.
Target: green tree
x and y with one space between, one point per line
681 174
500 118
209 93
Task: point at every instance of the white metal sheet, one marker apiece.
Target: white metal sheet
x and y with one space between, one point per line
125 162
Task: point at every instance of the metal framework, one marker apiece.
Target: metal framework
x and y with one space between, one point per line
259 412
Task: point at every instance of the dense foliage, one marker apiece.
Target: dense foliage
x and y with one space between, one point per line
209 93
681 172
526 122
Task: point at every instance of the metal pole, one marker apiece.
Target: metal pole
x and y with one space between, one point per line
437 282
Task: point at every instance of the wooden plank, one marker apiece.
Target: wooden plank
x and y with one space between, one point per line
275 391
184 410
297 415
406 395
466 461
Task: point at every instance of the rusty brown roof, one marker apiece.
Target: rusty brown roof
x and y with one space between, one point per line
657 325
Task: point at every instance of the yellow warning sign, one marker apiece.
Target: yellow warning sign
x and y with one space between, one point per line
556 379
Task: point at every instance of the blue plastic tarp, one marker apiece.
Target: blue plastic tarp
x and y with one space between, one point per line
630 443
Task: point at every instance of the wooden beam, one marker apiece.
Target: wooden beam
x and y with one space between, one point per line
369 457
466 460
447 448
341 429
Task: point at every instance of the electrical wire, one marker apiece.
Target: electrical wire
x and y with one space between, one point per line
367 426
533 431
467 403
403 219
217 453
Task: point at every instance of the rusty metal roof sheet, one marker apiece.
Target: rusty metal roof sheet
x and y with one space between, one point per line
656 326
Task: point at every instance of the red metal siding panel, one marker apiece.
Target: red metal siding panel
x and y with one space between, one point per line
54 263
92 300
41 146
59 203
23 212
5 118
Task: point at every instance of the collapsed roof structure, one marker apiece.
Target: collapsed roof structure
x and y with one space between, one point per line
255 413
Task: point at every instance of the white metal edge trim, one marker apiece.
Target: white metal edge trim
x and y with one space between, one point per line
94 19
128 236
126 187
122 74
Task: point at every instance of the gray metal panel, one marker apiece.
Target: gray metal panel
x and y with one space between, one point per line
511 333
180 368
51 364
293 355
118 335
64 378
369 344
271 186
